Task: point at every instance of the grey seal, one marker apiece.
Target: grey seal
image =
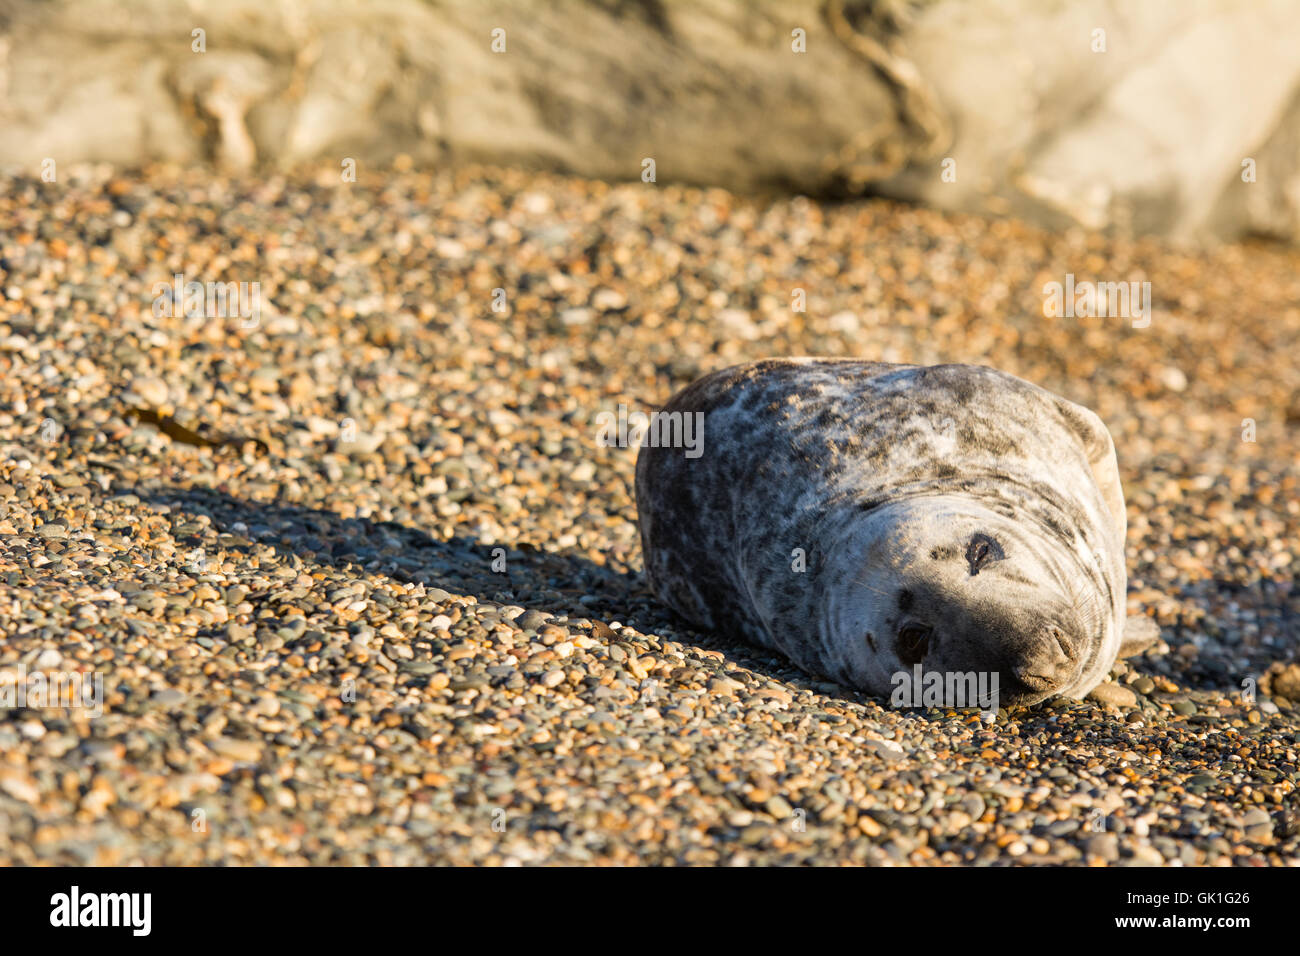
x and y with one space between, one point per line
866 519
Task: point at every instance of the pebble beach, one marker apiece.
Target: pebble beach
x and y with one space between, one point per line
363 587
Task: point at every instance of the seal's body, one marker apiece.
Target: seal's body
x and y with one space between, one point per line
865 518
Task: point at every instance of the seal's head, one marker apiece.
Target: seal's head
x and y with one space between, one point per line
959 588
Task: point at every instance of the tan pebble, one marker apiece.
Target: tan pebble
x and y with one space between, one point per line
724 686
1113 695
98 798
1286 683
150 390
20 787
244 751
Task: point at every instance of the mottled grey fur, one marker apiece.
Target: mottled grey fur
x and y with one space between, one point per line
954 516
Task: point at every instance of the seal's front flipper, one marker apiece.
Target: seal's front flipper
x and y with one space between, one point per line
1140 633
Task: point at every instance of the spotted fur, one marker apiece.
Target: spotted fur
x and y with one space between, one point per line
953 511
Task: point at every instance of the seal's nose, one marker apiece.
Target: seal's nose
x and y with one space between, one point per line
1047 664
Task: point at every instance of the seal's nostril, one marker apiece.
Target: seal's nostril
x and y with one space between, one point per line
1062 642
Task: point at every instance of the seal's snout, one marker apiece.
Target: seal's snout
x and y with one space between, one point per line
1046 665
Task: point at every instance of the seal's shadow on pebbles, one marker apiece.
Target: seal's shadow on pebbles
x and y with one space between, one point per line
554 583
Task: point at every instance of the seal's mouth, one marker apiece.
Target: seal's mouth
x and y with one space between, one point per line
1037 646
1047 665
1040 664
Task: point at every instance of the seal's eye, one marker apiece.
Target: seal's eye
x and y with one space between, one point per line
981 550
913 642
